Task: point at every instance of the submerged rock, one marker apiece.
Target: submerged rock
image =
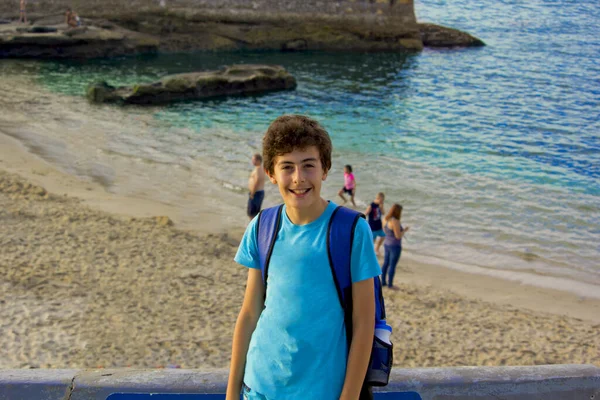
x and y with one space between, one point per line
230 81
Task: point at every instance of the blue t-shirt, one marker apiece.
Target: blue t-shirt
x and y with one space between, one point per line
298 349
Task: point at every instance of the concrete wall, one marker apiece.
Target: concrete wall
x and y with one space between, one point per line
547 382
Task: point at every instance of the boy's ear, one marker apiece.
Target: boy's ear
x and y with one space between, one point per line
324 175
271 177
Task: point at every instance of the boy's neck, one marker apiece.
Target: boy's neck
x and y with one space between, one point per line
305 216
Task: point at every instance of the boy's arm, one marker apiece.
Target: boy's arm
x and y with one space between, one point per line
368 211
244 327
363 329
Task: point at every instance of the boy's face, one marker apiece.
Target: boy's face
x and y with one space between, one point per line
299 176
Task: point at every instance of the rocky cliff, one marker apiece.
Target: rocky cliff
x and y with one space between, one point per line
176 25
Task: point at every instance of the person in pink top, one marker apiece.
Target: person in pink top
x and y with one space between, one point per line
349 185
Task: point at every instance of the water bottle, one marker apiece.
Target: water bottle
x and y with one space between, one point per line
383 331
382 356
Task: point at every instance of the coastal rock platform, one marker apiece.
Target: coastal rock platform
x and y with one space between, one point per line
60 41
208 26
232 80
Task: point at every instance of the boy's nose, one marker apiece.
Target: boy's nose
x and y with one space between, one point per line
298 176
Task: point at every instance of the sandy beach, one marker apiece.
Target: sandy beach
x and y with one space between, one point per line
93 279
123 272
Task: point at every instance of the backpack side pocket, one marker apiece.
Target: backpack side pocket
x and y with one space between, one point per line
380 364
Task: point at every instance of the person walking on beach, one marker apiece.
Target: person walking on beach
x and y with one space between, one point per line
290 339
374 212
23 11
392 244
256 185
349 185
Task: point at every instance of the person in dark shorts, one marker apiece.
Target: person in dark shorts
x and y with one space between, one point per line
349 185
374 216
255 203
22 11
256 185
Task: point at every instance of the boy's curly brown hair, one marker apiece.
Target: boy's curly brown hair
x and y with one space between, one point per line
290 132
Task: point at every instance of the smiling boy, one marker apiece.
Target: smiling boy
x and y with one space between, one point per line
290 342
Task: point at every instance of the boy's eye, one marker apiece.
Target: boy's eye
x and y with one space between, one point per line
308 166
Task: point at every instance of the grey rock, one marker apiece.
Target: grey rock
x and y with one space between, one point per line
234 80
441 36
82 42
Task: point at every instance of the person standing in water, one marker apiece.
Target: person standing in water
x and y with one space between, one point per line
256 186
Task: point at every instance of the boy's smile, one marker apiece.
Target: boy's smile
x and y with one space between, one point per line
299 176
300 192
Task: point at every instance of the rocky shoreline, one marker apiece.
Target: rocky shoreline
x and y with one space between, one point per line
57 40
108 33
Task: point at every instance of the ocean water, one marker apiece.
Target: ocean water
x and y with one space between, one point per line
494 152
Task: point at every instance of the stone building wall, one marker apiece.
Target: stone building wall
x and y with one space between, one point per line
400 8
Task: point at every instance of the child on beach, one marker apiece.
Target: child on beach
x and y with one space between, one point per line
349 185
392 244
374 213
22 11
290 338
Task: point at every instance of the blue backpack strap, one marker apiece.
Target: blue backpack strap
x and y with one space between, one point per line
340 237
379 303
267 227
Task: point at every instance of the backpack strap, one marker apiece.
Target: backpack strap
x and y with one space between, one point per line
340 238
267 227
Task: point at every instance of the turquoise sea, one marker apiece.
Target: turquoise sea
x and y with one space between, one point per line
494 152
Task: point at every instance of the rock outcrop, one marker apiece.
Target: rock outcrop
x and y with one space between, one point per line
230 81
187 25
440 36
294 25
56 41
192 29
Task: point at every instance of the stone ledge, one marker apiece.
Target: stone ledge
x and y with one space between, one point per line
547 382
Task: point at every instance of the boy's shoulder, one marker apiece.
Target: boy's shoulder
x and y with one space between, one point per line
323 219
